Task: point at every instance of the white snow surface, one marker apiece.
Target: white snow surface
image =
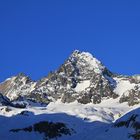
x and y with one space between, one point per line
82 86
87 120
123 86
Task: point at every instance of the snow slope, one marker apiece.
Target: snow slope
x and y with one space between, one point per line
87 121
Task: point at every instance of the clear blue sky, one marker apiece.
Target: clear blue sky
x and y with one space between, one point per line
37 36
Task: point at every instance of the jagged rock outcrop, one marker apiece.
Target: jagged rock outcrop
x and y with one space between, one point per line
5 101
131 96
20 85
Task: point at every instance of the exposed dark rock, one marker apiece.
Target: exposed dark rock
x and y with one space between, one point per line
85 99
67 98
132 97
49 129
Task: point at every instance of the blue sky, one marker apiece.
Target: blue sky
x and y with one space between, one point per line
37 36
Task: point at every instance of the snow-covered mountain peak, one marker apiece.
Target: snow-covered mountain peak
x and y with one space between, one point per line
19 77
81 78
85 58
82 93
88 58
16 86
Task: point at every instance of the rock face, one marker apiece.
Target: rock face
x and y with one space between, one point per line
131 96
81 78
16 86
5 101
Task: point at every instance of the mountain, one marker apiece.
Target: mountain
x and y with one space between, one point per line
82 92
82 77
